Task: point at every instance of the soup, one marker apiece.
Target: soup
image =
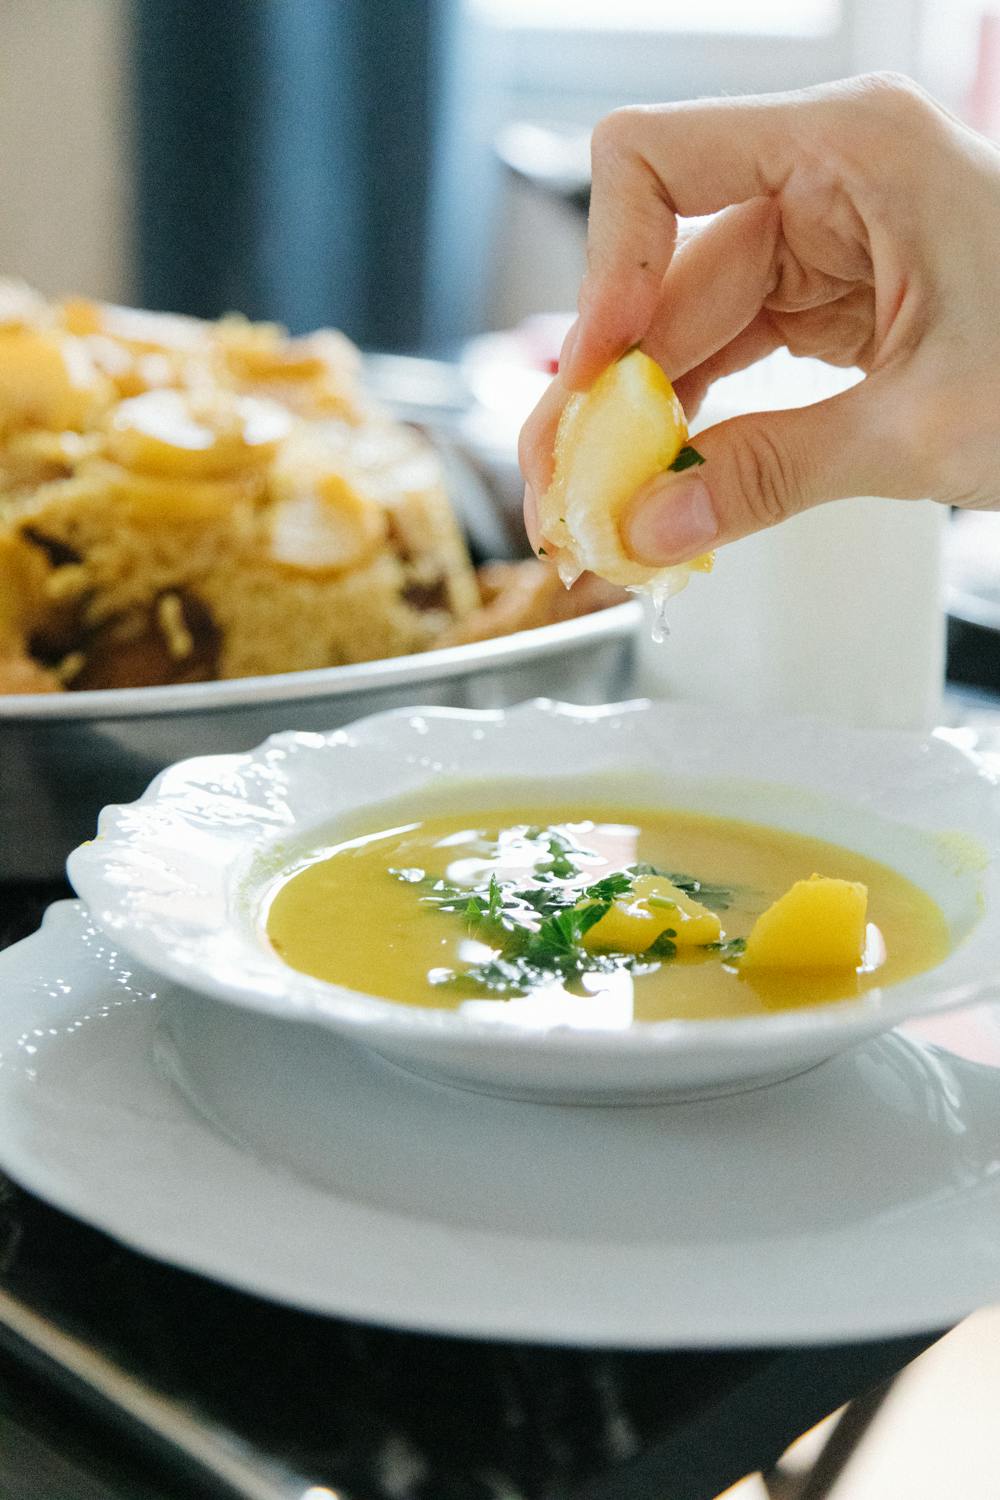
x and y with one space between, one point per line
529 913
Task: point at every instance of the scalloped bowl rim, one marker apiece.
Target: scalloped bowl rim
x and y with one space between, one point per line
99 869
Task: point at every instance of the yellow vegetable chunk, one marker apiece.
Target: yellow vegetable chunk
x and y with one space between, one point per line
136 328
204 437
48 379
611 439
654 907
818 924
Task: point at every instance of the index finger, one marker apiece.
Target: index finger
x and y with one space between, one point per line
649 165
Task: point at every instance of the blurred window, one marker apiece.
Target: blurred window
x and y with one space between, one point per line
554 67
804 18
572 60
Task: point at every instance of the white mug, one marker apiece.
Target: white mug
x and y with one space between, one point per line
836 613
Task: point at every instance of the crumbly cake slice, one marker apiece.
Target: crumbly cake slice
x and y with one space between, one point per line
182 500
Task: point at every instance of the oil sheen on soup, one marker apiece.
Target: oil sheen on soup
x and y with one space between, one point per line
532 913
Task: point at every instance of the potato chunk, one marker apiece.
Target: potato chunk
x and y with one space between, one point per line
818 924
655 906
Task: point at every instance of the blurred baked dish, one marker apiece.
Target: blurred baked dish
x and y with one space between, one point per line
182 501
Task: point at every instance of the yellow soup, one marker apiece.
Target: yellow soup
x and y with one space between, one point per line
505 914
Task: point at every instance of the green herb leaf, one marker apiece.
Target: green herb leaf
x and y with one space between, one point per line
611 887
728 950
716 897
561 933
539 928
495 900
444 897
687 458
662 947
560 865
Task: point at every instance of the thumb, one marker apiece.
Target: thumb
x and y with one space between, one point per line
761 469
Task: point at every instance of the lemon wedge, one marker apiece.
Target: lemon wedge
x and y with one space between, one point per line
612 439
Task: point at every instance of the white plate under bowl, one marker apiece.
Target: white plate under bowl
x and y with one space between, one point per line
858 1201
178 877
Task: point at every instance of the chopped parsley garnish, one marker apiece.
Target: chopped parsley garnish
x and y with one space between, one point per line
552 953
560 864
538 929
687 458
662 947
715 897
611 887
730 949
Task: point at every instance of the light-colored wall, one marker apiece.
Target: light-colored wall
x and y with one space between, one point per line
538 258
64 147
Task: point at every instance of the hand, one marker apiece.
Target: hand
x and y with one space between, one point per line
858 223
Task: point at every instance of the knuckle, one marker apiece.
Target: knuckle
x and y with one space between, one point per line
766 478
880 125
968 417
892 98
612 133
886 84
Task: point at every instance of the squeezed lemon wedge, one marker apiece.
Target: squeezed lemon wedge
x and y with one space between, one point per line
612 439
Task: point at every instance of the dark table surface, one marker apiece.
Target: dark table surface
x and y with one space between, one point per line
121 1378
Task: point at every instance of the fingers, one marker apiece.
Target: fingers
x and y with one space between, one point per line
712 291
795 253
763 468
648 166
715 286
531 519
845 140
535 453
630 240
692 346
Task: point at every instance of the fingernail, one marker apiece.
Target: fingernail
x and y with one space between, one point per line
568 345
531 518
669 520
